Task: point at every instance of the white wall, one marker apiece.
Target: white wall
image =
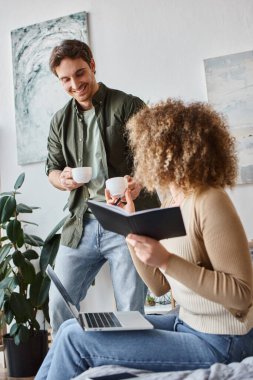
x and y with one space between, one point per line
151 48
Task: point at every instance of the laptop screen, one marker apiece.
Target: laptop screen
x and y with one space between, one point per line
51 274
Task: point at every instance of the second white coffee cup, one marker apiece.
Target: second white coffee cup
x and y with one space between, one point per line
82 174
117 186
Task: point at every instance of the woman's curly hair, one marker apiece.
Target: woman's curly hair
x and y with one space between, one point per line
187 145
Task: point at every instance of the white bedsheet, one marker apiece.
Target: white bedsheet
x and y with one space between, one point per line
233 371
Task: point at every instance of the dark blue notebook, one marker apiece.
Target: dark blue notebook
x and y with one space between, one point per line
157 223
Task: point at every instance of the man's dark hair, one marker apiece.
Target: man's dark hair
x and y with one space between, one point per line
69 49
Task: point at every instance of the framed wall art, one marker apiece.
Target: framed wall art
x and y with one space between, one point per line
229 82
37 92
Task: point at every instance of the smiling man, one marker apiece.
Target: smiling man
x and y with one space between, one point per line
90 131
78 80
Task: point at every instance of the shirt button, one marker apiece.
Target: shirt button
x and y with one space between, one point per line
79 159
80 139
238 315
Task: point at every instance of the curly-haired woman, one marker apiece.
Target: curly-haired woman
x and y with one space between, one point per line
187 152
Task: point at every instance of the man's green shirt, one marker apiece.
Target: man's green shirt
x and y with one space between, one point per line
67 146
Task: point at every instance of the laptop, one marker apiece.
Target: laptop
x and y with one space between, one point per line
101 321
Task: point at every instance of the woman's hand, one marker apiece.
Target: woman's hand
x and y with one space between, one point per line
149 251
133 186
128 205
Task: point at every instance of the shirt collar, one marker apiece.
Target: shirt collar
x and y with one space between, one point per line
96 100
78 112
99 95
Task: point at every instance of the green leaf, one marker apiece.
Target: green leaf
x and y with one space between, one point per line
30 254
14 283
44 291
14 329
22 208
20 307
6 283
1 320
5 268
17 339
49 252
29 311
23 333
4 251
7 208
39 290
27 271
55 229
8 193
19 181
4 238
35 289
1 298
18 258
46 312
35 324
15 232
8 314
33 240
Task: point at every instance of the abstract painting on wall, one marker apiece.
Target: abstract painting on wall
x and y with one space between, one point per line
38 94
230 90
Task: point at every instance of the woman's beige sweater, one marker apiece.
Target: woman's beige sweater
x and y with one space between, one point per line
210 269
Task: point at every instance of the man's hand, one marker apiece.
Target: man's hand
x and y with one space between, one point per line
149 251
133 186
63 179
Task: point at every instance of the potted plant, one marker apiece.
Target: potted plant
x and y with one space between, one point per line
23 289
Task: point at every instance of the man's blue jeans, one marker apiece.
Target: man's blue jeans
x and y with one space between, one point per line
77 268
171 346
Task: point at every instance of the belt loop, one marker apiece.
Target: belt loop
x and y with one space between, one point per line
177 322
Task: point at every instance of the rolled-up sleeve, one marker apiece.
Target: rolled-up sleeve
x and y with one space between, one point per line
55 159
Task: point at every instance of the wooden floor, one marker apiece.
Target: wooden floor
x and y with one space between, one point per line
3 376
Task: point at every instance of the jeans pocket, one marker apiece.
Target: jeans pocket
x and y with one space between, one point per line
226 342
241 347
221 344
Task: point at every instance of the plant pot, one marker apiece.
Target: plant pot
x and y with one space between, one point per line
25 359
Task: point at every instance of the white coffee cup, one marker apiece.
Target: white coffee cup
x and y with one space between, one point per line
82 175
117 186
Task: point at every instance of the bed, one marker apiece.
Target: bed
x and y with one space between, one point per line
233 371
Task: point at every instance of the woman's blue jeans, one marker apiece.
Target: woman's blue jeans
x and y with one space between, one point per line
171 346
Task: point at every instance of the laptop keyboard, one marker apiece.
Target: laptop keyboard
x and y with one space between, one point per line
102 320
